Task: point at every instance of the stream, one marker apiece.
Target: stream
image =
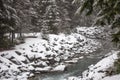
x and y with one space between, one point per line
73 70
80 66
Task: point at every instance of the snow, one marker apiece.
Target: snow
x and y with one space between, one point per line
74 60
115 77
43 69
59 68
98 71
37 55
73 78
101 66
74 1
92 32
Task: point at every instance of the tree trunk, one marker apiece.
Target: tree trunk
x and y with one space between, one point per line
13 36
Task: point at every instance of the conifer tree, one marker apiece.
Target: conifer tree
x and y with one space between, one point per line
108 13
7 22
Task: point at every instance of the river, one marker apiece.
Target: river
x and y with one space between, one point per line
78 68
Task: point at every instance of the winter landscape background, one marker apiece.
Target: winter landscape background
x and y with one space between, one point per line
59 40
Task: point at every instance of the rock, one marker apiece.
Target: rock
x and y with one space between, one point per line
30 46
72 61
27 57
23 48
25 61
17 52
31 68
73 78
36 65
11 57
15 73
43 70
15 61
31 75
32 51
2 55
59 68
47 49
48 56
1 61
41 51
23 69
51 61
57 59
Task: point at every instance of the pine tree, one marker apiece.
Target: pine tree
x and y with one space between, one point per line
108 13
7 22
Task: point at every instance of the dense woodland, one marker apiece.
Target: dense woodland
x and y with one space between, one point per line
42 36
46 16
54 16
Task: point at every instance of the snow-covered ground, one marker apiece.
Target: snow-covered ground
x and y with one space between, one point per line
37 55
94 32
100 70
114 77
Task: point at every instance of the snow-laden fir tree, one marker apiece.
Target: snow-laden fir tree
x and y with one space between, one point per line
8 22
108 13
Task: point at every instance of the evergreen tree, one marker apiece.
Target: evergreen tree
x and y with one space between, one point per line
7 22
108 13
53 17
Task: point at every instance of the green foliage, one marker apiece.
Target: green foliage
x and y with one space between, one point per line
116 38
88 5
117 66
5 43
8 22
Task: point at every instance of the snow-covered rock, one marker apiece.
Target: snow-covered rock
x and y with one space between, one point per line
45 69
37 55
93 32
59 68
74 60
73 78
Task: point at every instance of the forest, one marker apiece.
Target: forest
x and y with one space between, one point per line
44 16
48 36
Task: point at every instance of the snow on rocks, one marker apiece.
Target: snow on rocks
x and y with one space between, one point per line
73 78
37 55
59 68
93 32
74 60
45 69
99 70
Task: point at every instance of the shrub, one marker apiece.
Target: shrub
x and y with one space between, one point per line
117 66
5 43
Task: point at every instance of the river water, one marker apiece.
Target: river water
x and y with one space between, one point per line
73 70
78 68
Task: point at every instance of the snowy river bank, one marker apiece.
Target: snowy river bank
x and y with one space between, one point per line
78 68
38 56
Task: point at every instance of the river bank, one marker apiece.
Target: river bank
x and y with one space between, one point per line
78 68
40 56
